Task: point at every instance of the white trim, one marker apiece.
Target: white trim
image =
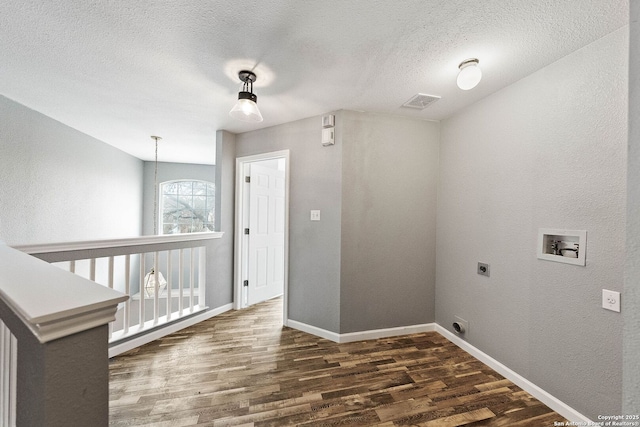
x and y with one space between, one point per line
114 243
544 397
364 335
386 333
117 349
238 234
39 294
62 327
313 330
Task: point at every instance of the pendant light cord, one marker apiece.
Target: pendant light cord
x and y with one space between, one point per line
155 190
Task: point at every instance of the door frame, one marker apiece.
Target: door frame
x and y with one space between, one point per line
239 230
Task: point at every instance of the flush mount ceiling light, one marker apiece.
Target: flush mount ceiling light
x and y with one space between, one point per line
246 108
470 74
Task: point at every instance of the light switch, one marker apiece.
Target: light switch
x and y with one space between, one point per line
315 215
611 300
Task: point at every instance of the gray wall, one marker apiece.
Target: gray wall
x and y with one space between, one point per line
60 185
222 249
370 262
631 296
547 151
389 183
314 247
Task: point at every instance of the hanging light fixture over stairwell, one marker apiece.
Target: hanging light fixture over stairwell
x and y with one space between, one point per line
246 109
153 281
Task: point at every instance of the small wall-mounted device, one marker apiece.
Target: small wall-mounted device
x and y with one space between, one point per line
483 269
328 121
460 326
328 130
611 300
328 137
567 246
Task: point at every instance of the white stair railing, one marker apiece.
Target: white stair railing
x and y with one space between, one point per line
132 266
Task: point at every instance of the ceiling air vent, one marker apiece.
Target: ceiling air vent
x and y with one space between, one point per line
421 101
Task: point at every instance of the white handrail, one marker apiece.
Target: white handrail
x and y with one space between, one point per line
129 242
51 302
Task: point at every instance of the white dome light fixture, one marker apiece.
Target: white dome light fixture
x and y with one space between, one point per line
246 109
470 74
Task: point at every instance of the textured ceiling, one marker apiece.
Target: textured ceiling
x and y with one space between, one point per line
121 71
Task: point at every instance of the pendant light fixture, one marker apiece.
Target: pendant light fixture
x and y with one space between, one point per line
470 74
246 109
153 281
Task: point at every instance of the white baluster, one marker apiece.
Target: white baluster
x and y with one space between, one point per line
156 289
142 275
110 280
169 284
202 276
8 376
181 280
191 278
127 290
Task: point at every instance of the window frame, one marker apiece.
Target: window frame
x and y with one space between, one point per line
210 202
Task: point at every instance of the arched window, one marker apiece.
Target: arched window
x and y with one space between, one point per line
187 206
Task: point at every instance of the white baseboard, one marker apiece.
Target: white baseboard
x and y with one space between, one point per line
544 397
361 336
385 333
161 332
322 333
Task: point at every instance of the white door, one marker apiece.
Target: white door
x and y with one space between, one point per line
266 233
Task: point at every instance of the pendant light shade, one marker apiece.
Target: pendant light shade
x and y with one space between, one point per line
153 282
470 74
246 109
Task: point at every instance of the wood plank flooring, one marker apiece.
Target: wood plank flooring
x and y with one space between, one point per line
245 369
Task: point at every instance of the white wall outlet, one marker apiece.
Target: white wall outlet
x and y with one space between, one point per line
315 215
611 300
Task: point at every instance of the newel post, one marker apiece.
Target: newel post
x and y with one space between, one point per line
60 322
64 382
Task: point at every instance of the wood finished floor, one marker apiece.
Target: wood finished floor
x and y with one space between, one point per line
245 369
